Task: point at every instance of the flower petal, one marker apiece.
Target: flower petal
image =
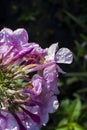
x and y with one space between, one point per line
3 122
51 51
21 126
34 117
64 55
5 35
53 104
21 35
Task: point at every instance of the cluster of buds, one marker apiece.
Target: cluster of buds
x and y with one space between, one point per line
28 80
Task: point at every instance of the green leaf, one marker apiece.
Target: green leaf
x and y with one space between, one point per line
63 122
78 21
74 110
62 128
80 49
64 105
71 80
70 126
77 74
75 126
83 37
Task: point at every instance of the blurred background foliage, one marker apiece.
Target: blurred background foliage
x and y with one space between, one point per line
63 21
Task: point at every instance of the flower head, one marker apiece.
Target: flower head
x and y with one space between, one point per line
25 99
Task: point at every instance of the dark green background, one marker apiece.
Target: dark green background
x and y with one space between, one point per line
45 20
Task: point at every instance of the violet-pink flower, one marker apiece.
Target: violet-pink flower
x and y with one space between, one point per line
25 99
